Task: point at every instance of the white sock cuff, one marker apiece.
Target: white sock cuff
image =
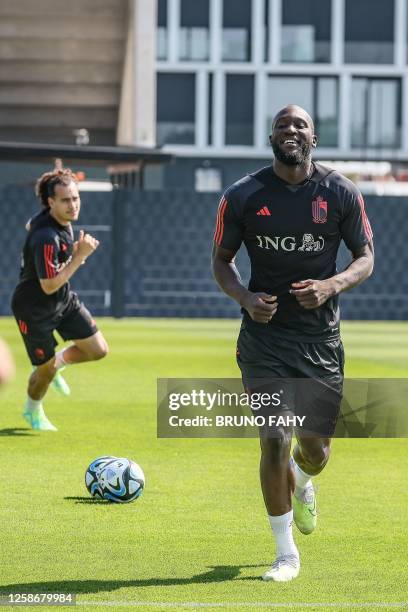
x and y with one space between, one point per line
301 478
282 533
33 404
59 359
281 523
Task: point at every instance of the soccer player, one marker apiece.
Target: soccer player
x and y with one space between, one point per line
6 363
43 303
291 216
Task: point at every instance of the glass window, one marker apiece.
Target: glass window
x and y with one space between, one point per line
376 116
369 32
194 30
239 124
317 95
175 113
161 33
236 34
326 110
306 30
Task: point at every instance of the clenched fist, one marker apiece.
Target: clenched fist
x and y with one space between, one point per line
312 293
85 245
260 306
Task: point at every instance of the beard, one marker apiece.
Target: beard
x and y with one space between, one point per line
292 158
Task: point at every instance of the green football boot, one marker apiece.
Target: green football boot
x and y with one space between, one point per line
37 420
304 510
60 384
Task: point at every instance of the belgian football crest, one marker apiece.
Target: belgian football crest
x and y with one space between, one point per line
319 210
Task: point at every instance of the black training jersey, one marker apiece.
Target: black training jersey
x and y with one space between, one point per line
47 250
292 233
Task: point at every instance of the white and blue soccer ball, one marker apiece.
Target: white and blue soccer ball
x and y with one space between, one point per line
115 479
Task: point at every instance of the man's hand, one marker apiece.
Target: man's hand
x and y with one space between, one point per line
312 293
260 306
85 245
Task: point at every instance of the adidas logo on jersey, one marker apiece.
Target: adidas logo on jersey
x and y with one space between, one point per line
264 212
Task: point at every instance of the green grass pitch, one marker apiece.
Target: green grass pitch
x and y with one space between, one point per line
199 533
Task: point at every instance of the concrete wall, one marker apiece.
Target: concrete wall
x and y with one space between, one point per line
61 69
137 112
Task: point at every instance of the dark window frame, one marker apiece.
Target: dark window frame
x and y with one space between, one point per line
315 90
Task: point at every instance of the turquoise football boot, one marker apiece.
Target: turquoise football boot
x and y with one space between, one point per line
37 420
60 384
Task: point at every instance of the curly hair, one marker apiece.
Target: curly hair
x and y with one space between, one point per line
45 187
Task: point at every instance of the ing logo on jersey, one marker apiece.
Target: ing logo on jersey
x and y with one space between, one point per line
310 244
289 243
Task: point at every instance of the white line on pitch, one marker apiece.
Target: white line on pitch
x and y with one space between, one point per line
242 604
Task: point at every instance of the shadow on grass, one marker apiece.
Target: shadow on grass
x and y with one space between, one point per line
16 431
90 500
218 573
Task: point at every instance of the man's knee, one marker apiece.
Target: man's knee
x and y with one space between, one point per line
99 351
316 453
275 447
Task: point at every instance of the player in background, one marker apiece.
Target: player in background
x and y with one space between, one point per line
292 216
6 363
43 303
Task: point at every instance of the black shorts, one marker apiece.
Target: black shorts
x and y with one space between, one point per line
74 322
308 377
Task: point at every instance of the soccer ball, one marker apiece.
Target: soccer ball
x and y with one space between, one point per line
114 478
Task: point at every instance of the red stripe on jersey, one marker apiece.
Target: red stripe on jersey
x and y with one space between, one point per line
217 221
45 255
367 227
219 231
220 218
48 259
51 262
222 222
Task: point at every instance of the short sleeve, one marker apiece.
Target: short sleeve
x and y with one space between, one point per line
228 228
355 227
45 245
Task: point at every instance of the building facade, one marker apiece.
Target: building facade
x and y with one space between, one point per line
224 67
203 79
76 73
